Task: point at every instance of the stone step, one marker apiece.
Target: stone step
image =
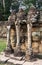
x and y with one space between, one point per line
11 59
10 56
3 58
16 62
14 57
38 62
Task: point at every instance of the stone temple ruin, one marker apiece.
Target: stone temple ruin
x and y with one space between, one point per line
24 33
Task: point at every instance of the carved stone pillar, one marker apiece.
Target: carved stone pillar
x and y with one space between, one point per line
29 27
18 34
17 51
29 49
8 36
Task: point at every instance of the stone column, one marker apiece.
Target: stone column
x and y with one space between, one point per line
17 49
18 34
29 27
8 36
29 51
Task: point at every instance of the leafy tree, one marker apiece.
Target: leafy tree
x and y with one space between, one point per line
15 5
28 3
7 9
36 3
5 6
11 4
1 10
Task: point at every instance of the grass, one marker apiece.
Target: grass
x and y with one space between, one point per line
2 48
6 64
2 44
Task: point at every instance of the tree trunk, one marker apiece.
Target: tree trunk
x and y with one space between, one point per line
4 5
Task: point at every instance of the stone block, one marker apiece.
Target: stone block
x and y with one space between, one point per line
38 62
3 58
14 57
16 62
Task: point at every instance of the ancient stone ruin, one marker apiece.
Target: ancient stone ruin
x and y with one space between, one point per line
24 33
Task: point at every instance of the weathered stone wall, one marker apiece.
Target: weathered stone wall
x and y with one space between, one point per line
36 37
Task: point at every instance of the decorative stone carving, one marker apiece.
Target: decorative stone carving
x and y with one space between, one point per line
32 15
31 18
11 21
12 18
20 17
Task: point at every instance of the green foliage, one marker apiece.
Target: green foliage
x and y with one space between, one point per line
36 3
2 44
15 5
8 3
3 14
1 7
7 9
29 2
7 6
